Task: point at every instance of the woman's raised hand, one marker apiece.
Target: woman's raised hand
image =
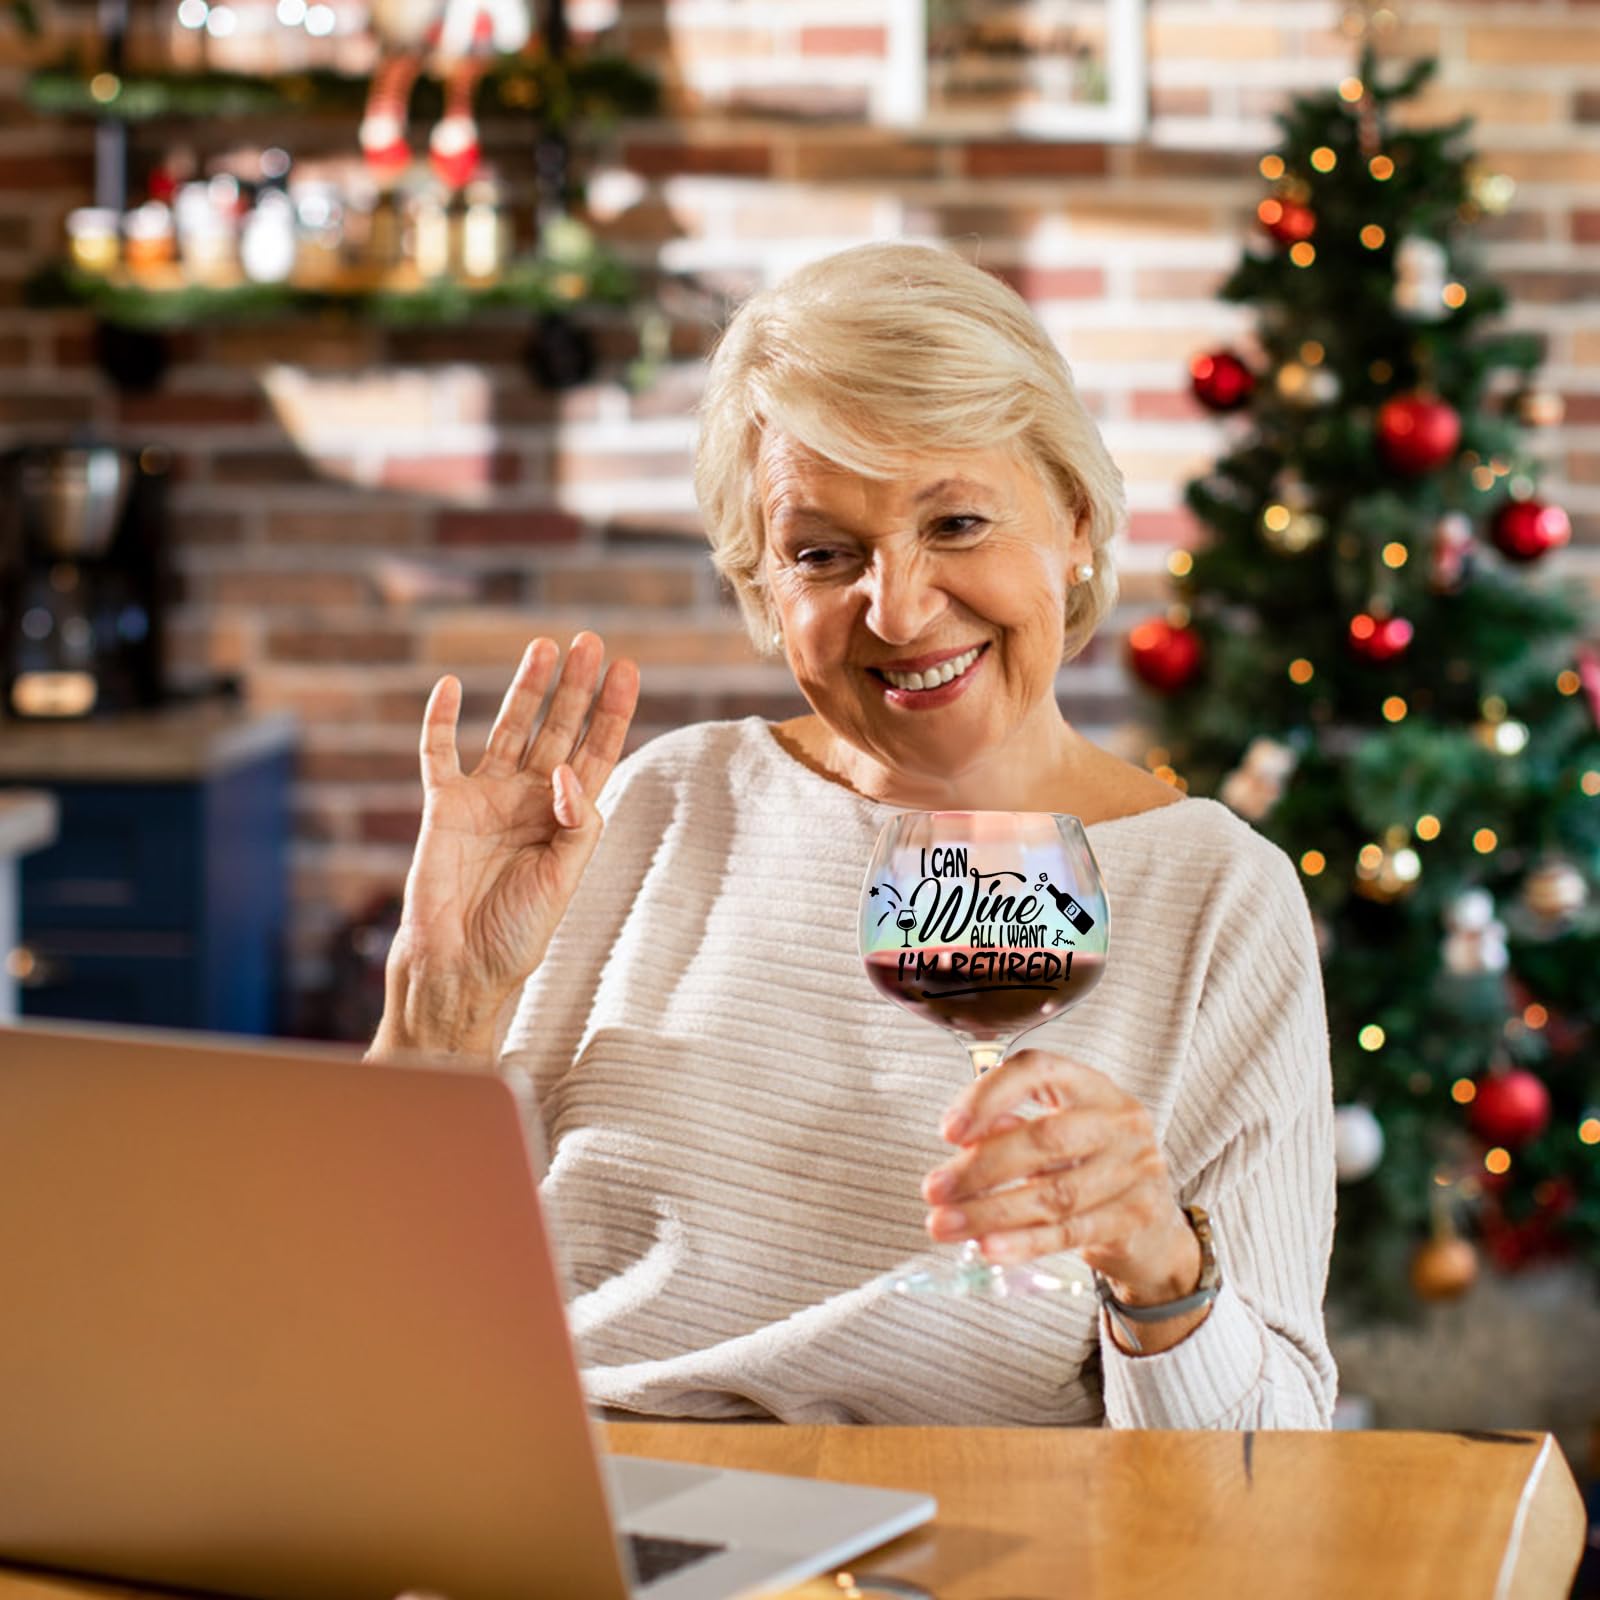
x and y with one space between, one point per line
501 848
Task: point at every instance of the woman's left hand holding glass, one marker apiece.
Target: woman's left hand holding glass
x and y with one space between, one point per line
1085 1174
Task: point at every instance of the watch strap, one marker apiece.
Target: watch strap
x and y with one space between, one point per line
1210 1286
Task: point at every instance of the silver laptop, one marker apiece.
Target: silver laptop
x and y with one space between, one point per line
281 1324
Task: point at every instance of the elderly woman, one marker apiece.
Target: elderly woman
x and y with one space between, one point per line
911 503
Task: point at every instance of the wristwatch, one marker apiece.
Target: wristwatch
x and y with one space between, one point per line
1206 1291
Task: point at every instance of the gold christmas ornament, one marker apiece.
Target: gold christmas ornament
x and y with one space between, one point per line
1387 872
1555 891
1443 1269
1291 532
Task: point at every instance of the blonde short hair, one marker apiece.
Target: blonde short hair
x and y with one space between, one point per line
881 351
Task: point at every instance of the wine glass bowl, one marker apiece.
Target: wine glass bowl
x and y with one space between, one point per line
1002 924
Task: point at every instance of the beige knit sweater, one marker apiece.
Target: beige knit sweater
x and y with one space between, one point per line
738 1124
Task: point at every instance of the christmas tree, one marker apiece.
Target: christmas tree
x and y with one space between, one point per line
1366 662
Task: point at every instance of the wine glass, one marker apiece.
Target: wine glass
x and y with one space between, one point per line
987 923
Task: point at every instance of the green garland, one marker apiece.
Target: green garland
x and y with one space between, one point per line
595 89
532 286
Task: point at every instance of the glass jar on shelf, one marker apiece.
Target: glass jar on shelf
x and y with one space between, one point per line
149 246
269 243
428 234
485 241
208 232
92 240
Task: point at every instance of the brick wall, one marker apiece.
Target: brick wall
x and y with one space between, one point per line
356 512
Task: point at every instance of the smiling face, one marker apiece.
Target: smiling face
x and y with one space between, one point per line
922 614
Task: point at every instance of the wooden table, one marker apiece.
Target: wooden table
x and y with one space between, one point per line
1083 1514
1086 1514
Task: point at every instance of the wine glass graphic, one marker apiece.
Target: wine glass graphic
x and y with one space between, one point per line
991 946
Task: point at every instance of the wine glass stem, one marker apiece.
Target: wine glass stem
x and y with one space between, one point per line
984 1055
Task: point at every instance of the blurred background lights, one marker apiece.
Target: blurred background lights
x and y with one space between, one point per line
1427 827
1511 738
1371 1037
1485 840
192 13
1313 863
1498 1161
1463 1091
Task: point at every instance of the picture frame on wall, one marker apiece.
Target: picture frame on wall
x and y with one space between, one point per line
1045 69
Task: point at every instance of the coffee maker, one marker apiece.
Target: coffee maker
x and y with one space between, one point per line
83 584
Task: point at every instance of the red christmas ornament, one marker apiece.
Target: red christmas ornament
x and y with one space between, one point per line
1377 641
1417 433
1510 1108
1524 530
1288 221
1164 656
1220 380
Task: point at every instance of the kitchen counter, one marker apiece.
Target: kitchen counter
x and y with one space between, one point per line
172 744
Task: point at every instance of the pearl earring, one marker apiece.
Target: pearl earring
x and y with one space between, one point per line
777 638
1085 572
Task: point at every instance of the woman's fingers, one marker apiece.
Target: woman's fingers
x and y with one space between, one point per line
508 738
1050 1197
1035 1145
1039 1076
558 734
440 762
608 726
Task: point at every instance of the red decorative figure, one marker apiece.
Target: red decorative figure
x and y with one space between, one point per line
460 35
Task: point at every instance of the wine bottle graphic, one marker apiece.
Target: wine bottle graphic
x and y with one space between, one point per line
1067 906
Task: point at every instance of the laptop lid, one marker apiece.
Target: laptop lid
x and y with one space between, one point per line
283 1324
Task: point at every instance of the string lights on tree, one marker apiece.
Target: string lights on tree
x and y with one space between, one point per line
1372 665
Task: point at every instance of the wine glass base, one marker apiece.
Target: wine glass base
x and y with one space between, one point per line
977 1279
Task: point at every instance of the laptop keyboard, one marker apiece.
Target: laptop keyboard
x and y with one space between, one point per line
654 1559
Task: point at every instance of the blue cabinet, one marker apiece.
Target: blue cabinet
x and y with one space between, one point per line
163 901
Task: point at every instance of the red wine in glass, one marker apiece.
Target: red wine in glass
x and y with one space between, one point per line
945 987
986 923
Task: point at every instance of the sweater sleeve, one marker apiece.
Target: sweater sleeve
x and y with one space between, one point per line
1251 1140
